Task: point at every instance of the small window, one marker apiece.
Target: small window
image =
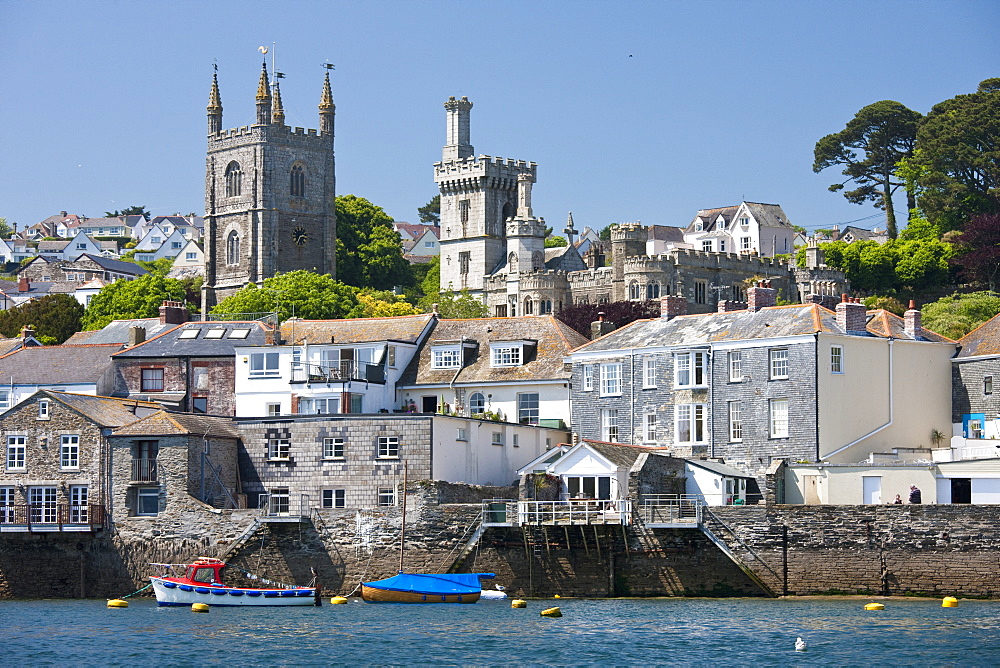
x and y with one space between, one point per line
497 438
778 363
273 410
609 425
69 452
333 448
588 377
4 399
449 357
175 245
690 423
263 364
700 291
388 447
190 257
151 380
735 421
190 333
199 404
689 369
16 452
736 366
462 435
987 385
147 501
611 379
241 333
515 442
527 408
391 357
278 449
779 418
215 333
505 355
650 427
706 246
386 496
649 372
43 409
334 498
836 359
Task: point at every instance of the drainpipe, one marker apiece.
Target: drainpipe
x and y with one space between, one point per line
877 429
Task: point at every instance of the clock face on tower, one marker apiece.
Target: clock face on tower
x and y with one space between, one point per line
299 236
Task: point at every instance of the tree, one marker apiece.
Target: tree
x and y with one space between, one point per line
878 137
123 300
369 252
956 164
555 242
5 229
605 233
129 211
54 318
384 304
454 305
579 316
979 246
431 212
303 294
957 315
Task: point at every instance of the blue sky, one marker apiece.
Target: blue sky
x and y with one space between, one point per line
633 110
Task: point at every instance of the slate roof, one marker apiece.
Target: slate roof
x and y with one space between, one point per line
983 340
709 217
772 322
544 361
116 331
716 467
105 411
620 454
53 246
666 233
117 266
57 365
9 345
163 423
564 258
766 215
404 329
169 343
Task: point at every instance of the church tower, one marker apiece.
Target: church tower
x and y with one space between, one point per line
478 196
269 195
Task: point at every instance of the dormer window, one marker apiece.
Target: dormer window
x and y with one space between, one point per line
698 227
446 357
506 354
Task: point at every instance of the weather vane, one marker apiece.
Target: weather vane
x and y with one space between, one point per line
328 65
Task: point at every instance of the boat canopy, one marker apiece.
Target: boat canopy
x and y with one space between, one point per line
438 583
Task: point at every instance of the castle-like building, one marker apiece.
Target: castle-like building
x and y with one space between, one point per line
269 194
493 246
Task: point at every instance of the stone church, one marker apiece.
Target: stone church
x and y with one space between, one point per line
493 246
269 194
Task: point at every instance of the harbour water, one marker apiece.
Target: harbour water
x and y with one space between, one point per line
645 632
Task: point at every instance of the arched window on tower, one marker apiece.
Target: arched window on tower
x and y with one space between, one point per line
633 290
233 248
528 306
234 180
653 290
297 184
537 261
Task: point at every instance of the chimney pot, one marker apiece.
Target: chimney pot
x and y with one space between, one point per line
912 321
852 317
759 297
173 313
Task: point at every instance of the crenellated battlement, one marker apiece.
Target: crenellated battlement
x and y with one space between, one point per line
721 261
629 232
484 165
519 227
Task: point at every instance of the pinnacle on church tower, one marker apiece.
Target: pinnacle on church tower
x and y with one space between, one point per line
459 145
214 107
277 113
327 109
263 98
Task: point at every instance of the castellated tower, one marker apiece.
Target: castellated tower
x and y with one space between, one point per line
525 233
478 196
269 195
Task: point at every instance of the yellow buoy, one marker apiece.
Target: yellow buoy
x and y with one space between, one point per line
552 612
874 606
557 596
199 607
519 603
338 600
949 602
117 603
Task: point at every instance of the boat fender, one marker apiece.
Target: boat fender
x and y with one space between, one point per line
519 603
949 602
551 612
117 603
874 606
338 600
199 607
169 585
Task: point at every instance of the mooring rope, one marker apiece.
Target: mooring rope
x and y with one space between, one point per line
136 591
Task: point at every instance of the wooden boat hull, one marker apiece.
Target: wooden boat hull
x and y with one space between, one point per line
169 593
375 595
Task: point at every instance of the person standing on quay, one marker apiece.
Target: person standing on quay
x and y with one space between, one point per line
914 494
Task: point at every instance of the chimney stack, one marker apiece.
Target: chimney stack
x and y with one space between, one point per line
728 305
26 333
852 315
23 284
912 320
672 306
136 335
173 313
761 296
600 327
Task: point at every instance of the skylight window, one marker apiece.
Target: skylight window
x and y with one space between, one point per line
239 333
215 333
189 334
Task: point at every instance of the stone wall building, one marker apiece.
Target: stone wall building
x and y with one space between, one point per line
269 195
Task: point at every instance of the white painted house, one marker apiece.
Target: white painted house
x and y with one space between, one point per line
749 228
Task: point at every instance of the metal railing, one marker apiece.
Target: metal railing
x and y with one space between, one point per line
671 509
499 512
143 469
343 371
52 515
282 505
575 511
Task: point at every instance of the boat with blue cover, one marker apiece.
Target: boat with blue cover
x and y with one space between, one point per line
201 582
426 588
